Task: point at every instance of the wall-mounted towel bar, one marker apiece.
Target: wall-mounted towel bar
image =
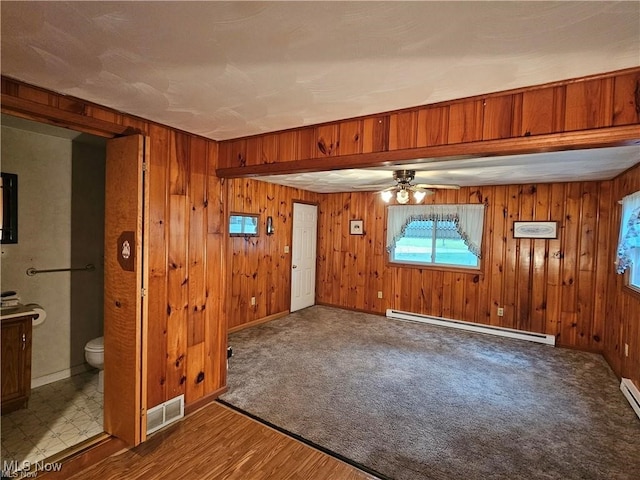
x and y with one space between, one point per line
89 267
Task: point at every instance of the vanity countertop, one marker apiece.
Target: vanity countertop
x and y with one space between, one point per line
19 311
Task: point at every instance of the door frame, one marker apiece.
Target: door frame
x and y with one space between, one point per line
304 202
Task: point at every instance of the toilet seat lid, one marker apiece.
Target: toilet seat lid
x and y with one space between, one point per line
95 345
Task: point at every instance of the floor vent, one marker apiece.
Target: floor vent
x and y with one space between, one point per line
632 393
165 413
473 327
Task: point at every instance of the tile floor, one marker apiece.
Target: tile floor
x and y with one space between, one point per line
60 415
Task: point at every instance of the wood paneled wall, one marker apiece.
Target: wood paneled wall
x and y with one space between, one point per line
187 276
622 324
259 266
199 276
592 110
553 286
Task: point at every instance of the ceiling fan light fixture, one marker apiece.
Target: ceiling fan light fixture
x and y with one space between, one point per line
402 196
406 192
419 195
386 195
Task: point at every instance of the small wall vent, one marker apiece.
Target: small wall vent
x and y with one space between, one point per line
165 413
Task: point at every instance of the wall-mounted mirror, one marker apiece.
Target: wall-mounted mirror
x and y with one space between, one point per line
9 208
243 225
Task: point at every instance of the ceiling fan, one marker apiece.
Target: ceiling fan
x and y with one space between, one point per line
404 188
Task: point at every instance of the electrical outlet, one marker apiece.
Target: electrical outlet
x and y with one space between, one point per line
253 301
501 311
626 349
380 294
286 249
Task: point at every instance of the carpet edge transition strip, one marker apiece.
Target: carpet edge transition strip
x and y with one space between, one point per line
295 436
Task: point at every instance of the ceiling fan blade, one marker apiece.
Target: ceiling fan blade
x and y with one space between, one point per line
390 189
420 188
439 187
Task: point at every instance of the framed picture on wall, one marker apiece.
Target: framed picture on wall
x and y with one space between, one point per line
535 229
356 227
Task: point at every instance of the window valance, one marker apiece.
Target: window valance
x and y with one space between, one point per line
468 218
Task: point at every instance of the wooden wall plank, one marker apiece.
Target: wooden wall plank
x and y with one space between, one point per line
433 126
494 261
589 104
197 250
375 134
403 130
158 240
569 269
554 261
351 136
539 256
327 140
253 149
287 146
498 117
269 150
603 263
465 121
524 250
625 107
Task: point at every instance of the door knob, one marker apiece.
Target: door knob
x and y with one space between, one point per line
294 266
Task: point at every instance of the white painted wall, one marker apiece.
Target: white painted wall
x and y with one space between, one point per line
44 167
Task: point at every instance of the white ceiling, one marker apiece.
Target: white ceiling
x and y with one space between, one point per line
567 166
229 69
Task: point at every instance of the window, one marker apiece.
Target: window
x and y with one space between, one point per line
243 225
628 253
447 235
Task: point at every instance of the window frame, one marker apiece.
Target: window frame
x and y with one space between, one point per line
479 270
245 217
629 287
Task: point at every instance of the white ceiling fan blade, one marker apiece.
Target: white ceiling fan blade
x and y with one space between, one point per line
440 187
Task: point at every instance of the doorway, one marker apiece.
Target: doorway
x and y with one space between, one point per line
303 256
124 402
61 202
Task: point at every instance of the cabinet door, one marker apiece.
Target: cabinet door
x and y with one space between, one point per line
16 355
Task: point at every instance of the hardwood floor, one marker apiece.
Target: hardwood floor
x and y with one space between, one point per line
219 443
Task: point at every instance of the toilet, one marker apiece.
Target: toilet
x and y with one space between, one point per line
94 354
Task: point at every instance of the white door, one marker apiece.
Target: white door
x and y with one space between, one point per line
303 256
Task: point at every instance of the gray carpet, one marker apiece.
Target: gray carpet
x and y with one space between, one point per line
414 401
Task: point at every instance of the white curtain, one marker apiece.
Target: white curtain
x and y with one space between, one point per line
629 238
469 220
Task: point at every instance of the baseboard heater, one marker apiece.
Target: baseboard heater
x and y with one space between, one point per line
165 413
473 327
631 392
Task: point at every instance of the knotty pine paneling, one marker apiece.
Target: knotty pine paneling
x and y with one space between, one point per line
576 105
258 266
548 286
187 333
622 316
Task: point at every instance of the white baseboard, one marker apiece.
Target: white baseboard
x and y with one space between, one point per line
61 375
474 327
632 394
